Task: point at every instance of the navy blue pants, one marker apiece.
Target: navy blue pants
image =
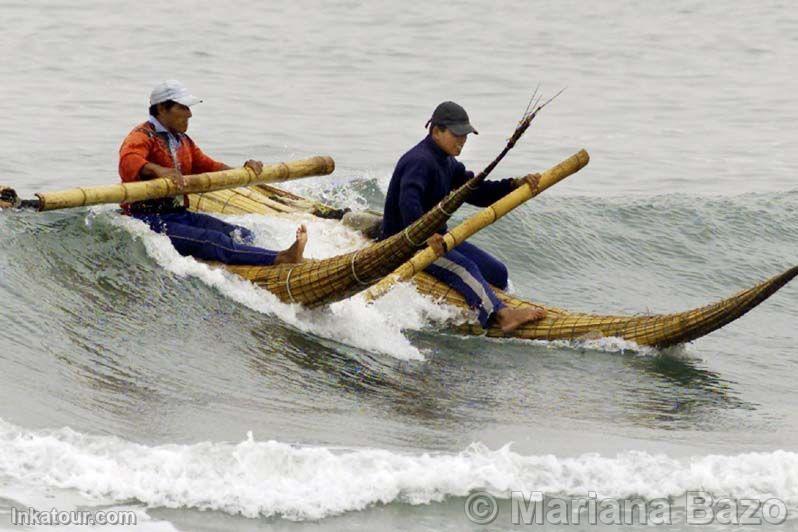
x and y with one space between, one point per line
208 238
471 271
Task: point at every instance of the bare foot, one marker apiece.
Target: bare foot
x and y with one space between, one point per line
294 253
509 319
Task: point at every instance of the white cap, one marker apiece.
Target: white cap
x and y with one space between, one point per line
172 90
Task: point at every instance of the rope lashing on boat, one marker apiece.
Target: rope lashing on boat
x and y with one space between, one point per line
440 207
407 237
354 272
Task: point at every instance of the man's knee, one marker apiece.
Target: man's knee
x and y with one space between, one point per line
493 270
501 275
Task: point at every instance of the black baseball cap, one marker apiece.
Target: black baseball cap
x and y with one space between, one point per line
453 117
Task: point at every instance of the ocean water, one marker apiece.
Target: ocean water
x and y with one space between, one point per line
134 379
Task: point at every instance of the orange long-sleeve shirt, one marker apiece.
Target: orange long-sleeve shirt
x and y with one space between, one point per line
144 145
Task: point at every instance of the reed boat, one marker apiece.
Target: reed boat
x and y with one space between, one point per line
660 330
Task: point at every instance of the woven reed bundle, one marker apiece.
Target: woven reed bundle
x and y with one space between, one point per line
259 199
660 330
247 200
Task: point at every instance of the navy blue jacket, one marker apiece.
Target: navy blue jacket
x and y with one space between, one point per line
421 179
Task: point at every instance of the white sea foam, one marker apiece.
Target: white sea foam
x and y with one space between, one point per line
608 344
338 192
270 478
376 328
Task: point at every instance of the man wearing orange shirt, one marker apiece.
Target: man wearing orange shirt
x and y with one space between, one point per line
160 148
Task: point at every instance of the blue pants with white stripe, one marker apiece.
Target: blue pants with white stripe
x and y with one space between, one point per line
471 271
208 238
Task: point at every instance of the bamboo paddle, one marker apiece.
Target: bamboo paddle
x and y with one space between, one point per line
164 187
479 221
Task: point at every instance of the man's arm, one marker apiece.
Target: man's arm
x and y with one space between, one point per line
133 164
154 171
255 166
203 163
133 156
487 192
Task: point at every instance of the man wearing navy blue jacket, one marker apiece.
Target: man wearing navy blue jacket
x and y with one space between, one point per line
422 177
